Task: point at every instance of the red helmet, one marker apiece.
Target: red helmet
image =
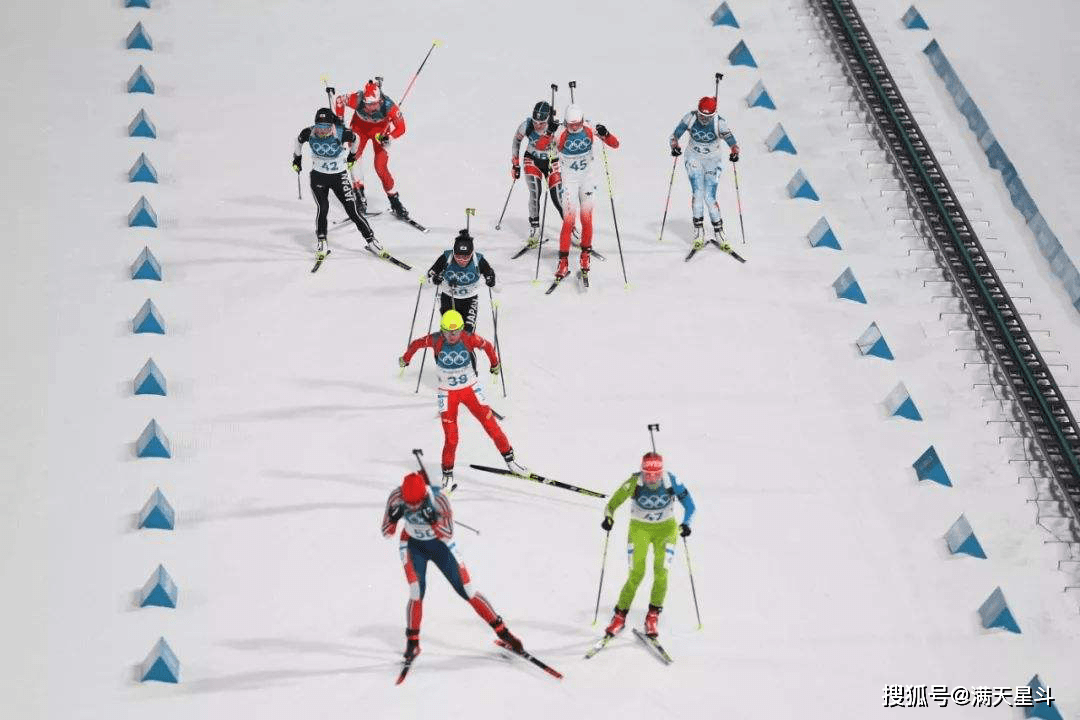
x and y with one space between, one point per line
372 94
652 465
413 488
707 105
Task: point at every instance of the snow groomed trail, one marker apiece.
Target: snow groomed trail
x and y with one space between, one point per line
818 555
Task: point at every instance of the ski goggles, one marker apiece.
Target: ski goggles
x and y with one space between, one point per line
540 125
575 126
704 117
452 335
322 129
462 259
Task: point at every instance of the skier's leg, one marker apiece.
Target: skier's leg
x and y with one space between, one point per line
448 405
637 548
663 544
343 191
480 410
382 157
445 303
533 178
586 225
712 180
320 191
358 170
468 309
414 560
555 187
696 175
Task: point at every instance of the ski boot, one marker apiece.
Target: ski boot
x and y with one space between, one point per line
651 618
447 478
412 643
718 235
396 207
359 200
513 465
699 234
586 254
618 622
534 232
505 635
375 246
564 266
320 249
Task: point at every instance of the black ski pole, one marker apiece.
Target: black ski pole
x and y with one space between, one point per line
653 427
434 302
543 221
413 323
738 201
572 84
505 204
693 590
614 217
667 203
469 212
495 325
298 195
603 566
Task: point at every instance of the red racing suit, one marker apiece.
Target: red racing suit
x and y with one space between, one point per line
385 121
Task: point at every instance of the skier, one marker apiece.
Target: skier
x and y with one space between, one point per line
458 385
652 522
332 155
428 535
703 164
376 118
540 129
575 147
462 277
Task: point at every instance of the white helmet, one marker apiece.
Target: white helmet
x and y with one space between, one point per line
573 115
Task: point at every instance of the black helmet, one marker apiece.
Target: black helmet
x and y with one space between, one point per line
541 110
325 116
463 243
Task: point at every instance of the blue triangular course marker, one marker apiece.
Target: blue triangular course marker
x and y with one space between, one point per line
759 97
847 287
139 38
157 513
723 16
961 539
159 590
778 141
1040 708
913 20
150 381
152 442
799 187
822 235
995 612
740 55
160 665
872 342
142 215
900 404
140 126
142 170
140 82
929 467
148 319
137 3
146 266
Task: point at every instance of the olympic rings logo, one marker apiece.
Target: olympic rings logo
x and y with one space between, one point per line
460 277
331 148
703 135
578 144
653 502
453 358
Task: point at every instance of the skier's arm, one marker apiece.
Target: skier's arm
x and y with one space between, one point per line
609 139
515 147
486 270
619 497
682 494
435 273
443 526
475 342
301 139
395 126
682 127
724 131
395 508
420 342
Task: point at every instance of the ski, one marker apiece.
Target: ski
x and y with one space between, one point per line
583 276
347 220
599 645
405 665
410 221
527 248
387 257
729 251
319 261
540 479
592 251
693 252
555 284
654 645
531 658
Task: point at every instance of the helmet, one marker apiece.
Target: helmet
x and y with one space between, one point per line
413 488
463 243
372 93
574 116
652 464
707 105
452 321
541 111
325 116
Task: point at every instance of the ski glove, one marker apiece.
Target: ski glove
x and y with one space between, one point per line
350 159
429 515
495 370
296 163
608 523
331 90
435 278
684 530
395 513
384 140
601 131
403 362
676 151
734 156
489 280
515 169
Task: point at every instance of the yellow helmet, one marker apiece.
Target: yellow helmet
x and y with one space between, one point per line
452 321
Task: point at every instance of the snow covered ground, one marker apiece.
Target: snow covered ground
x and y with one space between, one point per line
818 558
